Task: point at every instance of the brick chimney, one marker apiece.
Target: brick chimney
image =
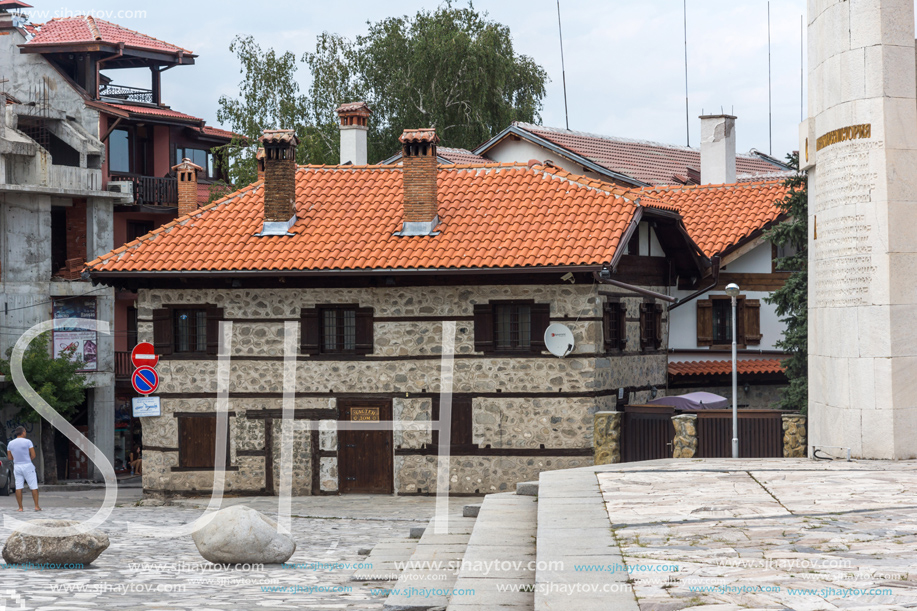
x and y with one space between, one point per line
717 149
279 180
186 173
259 159
419 167
354 117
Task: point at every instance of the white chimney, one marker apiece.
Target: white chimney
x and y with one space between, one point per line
354 118
717 149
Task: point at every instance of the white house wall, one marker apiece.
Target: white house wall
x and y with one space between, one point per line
521 151
757 261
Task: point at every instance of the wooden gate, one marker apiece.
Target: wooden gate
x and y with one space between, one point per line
760 433
648 432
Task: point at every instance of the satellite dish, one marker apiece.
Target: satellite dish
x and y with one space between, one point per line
558 339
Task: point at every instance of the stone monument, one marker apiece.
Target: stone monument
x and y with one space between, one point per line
859 146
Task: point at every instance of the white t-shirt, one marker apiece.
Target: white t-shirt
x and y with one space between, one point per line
19 448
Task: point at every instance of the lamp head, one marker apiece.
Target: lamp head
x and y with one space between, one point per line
732 289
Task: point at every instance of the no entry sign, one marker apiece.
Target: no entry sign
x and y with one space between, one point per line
145 380
142 355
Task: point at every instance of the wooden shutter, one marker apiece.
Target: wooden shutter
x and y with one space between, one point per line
197 441
214 316
610 314
162 331
483 328
310 336
657 312
752 321
461 432
643 339
364 322
705 322
541 319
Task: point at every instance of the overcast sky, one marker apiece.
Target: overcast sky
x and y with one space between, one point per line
624 58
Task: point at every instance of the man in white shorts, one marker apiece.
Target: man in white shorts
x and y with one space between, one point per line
21 451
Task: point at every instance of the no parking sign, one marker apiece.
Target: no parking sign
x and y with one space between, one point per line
145 380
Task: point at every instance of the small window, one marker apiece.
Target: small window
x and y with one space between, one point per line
190 328
722 321
714 321
513 329
650 326
615 326
119 159
339 331
135 229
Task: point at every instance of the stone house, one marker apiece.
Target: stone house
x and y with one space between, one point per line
368 262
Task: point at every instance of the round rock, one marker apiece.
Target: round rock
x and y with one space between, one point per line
240 534
83 549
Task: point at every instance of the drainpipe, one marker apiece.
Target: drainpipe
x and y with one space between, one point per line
603 277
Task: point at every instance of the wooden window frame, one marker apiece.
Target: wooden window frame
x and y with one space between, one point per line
164 331
485 327
312 330
650 310
614 316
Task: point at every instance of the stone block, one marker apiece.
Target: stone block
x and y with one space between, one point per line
471 511
417 532
685 442
794 436
527 488
607 435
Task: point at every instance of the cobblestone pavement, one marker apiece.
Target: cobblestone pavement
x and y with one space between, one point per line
169 574
769 534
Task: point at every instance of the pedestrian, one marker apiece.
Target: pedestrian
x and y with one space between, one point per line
21 451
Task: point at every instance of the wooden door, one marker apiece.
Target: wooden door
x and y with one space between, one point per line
365 458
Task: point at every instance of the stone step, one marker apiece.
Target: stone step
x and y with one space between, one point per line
385 560
471 511
432 567
573 528
527 488
501 552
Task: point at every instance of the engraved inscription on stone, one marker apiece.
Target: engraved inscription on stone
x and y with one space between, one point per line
843 265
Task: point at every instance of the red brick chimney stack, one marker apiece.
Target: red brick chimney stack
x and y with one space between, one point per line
419 167
279 180
186 174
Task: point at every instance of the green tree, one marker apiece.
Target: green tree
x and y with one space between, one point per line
792 299
56 381
452 69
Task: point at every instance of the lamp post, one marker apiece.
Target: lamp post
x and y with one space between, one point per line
732 290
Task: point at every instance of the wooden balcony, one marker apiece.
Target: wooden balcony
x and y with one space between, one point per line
123 365
151 191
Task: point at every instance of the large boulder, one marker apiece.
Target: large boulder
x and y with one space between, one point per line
240 534
82 549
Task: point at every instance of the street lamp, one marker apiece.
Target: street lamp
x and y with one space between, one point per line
732 290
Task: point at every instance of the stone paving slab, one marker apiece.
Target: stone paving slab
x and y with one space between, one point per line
385 560
766 534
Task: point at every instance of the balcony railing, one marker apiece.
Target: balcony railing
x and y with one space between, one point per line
151 191
123 365
125 93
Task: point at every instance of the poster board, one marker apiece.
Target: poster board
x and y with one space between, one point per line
84 341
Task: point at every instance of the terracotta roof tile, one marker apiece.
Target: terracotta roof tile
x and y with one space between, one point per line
705 368
155 111
419 135
502 215
653 163
720 216
85 28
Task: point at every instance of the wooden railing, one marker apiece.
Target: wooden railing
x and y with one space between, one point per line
151 191
123 365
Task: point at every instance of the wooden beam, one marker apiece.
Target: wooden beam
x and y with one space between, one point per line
742 250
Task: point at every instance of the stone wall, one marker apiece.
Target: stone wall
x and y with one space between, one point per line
794 436
685 443
608 437
518 404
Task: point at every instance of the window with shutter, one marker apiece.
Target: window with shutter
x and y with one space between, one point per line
657 314
197 441
461 432
752 322
214 316
650 326
309 331
721 321
337 329
704 322
541 320
189 326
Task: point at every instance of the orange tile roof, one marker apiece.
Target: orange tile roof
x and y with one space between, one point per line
706 368
86 29
493 216
721 216
156 111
